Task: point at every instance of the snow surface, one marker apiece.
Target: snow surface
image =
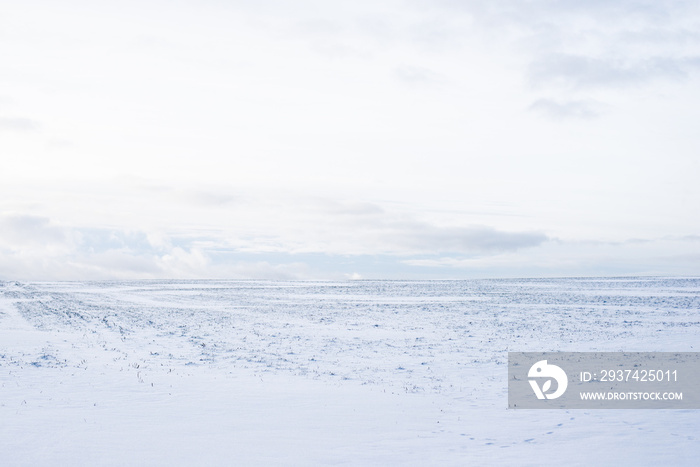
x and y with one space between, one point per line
319 373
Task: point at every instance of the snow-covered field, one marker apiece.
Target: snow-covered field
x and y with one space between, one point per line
318 373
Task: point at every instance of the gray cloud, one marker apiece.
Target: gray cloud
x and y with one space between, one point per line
585 47
424 237
660 37
209 198
352 209
676 255
266 270
415 75
566 42
92 240
6 101
558 110
373 242
18 124
331 38
318 27
534 13
368 229
35 248
212 196
582 71
18 229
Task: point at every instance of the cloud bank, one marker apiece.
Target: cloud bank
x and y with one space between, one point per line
330 139
376 246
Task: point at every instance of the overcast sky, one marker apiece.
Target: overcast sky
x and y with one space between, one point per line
364 139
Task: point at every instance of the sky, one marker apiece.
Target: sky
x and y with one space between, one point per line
348 140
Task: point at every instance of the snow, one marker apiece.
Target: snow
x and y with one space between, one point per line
318 373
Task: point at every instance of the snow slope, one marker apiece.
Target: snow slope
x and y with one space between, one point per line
317 373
